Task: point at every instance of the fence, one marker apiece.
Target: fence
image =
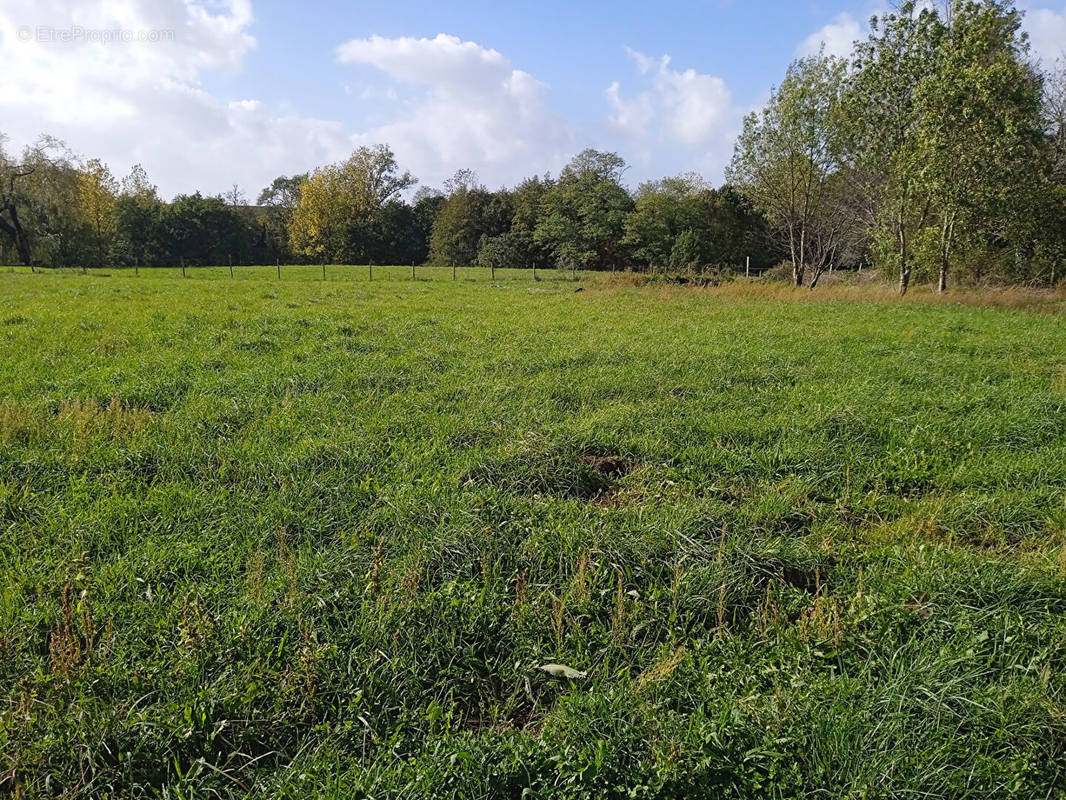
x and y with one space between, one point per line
329 272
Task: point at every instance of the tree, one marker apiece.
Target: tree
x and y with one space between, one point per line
200 230
317 226
340 203
137 212
235 197
527 201
652 227
13 201
1055 118
97 192
786 156
980 132
583 215
469 215
499 251
427 206
35 195
885 114
279 201
283 193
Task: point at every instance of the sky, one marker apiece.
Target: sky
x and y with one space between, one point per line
206 94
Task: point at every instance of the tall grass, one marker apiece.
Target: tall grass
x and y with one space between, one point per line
319 538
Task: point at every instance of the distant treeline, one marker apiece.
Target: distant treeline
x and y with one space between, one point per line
58 211
937 151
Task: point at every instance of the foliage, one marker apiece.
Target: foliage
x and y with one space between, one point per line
583 214
785 162
680 222
340 205
469 215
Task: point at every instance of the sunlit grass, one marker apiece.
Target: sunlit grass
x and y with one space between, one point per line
318 538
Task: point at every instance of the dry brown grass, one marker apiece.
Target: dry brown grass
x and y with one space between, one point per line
18 424
850 288
662 670
81 419
115 419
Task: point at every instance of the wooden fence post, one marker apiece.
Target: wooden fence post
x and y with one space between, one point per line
231 265
183 267
323 267
453 272
371 270
534 270
493 268
412 270
279 267
747 266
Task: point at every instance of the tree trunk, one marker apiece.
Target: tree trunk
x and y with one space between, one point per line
947 236
792 256
12 226
904 264
799 268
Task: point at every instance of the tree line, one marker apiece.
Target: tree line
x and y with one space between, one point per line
59 211
936 151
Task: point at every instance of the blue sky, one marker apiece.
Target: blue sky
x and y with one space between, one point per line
577 49
208 93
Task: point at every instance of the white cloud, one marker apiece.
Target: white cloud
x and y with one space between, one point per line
693 108
1047 32
476 110
1046 28
836 38
67 73
677 109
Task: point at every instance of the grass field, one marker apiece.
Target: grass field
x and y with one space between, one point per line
300 538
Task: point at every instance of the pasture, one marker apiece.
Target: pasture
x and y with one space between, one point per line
292 538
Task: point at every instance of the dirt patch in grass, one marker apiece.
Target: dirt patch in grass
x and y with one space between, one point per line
813 577
556 472
609 466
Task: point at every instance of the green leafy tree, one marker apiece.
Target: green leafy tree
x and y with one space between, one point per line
583 215
885 119
278 203
201 231
527 200
785 157
470 215
980 133
38 201
96 196
137 215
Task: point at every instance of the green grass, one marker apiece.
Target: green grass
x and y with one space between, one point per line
315 538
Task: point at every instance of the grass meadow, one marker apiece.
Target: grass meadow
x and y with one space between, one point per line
301 538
